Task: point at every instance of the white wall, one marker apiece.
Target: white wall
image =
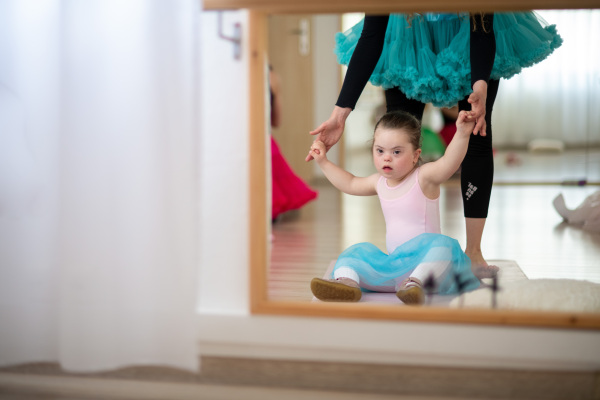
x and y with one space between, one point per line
225 325
223 171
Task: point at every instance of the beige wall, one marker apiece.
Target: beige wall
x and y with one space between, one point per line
326 73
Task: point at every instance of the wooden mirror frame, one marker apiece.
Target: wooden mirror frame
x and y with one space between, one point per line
258 218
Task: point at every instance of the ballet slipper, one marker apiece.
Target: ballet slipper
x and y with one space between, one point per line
341 289
411 292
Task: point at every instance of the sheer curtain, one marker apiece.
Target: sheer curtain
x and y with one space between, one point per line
560 97
98 182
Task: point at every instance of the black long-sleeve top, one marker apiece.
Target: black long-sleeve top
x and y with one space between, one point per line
370 45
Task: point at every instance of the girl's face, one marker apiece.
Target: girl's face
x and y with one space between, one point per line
393 154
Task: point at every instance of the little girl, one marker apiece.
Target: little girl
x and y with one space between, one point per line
409 195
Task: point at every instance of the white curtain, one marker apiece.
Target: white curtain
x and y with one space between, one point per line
560 97
98 183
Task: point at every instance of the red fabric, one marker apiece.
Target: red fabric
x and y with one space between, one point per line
447 133
289 190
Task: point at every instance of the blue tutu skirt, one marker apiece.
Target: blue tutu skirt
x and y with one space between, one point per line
378 269
427 57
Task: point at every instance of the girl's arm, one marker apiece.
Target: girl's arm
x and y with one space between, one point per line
330 131
433 174
340 178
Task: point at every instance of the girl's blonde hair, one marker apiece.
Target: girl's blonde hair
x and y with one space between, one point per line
479 20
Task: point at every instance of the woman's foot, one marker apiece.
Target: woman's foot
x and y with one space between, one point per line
481 269
411 292
341 289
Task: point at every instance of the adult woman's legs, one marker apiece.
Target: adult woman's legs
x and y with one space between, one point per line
397 101
477 175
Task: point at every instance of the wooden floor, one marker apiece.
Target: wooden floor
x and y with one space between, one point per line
522 224
32 387
308 381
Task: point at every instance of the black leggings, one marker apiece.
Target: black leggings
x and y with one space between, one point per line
477 172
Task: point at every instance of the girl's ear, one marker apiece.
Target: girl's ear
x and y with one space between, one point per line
417 155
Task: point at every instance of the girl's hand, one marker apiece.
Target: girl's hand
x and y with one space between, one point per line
477 100
465 123
318 151
330 131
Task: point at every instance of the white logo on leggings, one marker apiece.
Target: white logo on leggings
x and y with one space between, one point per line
470 190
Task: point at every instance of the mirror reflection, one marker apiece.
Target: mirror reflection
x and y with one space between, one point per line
540 228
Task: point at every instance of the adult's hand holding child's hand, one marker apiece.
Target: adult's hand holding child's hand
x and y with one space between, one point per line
477 99
330 131
465 123
318 151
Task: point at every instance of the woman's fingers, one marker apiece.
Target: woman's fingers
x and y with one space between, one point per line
480 127
320 129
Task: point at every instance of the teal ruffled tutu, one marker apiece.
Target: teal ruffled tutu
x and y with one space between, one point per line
427 57
377 269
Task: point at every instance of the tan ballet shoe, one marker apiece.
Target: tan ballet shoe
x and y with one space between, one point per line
342 289
411 292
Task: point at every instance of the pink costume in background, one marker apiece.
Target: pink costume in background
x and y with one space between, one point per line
289 191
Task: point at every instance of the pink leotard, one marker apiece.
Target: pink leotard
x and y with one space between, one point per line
407 211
